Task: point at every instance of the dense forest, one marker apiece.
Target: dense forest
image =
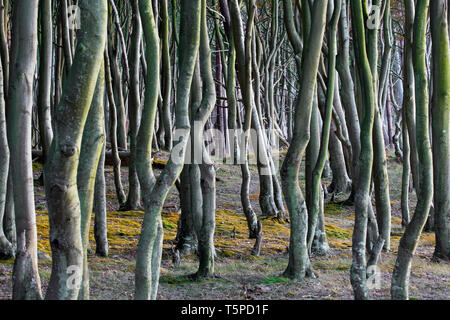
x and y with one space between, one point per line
224 149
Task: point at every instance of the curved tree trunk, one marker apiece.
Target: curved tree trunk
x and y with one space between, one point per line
298 249
113 120
45 77
409 240
91 149
409 93
134 190
116 77
347 93
150 242
243 58
362 195
60 171
167 76
206 217
406 172
322 156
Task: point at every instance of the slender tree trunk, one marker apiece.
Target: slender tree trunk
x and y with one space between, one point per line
186 238
91 149
319 246
9 219
205 219
441 126
6 248
4 49
348 97
45 76
59 65
150 242
409 94
67 43
243 58
121 198
167 76
322 156
231 99
409 240
116 76
406 172
341 181
298 249
99 209
26 281
362 195
380 174
134 190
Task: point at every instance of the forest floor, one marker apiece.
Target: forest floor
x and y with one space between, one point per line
239 274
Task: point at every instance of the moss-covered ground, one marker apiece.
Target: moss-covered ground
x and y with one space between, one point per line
239 274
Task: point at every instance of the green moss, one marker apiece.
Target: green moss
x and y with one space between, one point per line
37 166
343 267
333 231
227 253
333 209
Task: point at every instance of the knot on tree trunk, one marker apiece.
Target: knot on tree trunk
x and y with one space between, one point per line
68 149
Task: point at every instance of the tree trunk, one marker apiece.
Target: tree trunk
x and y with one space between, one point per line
99 209
121 198
26 281
4 49
406 172
134 190
6 248
362 195
91 149
409 240
409 93
441 127
167 76
243 58
186 237
298 249
380 175
116 77
45 76
150 242
60 171
203 199
322 156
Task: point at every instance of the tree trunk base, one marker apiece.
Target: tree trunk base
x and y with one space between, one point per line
6 249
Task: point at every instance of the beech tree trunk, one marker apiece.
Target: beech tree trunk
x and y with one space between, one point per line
26 283
441 126
6 248
409 240
60 171
91 149
307 71
150 242
362 196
